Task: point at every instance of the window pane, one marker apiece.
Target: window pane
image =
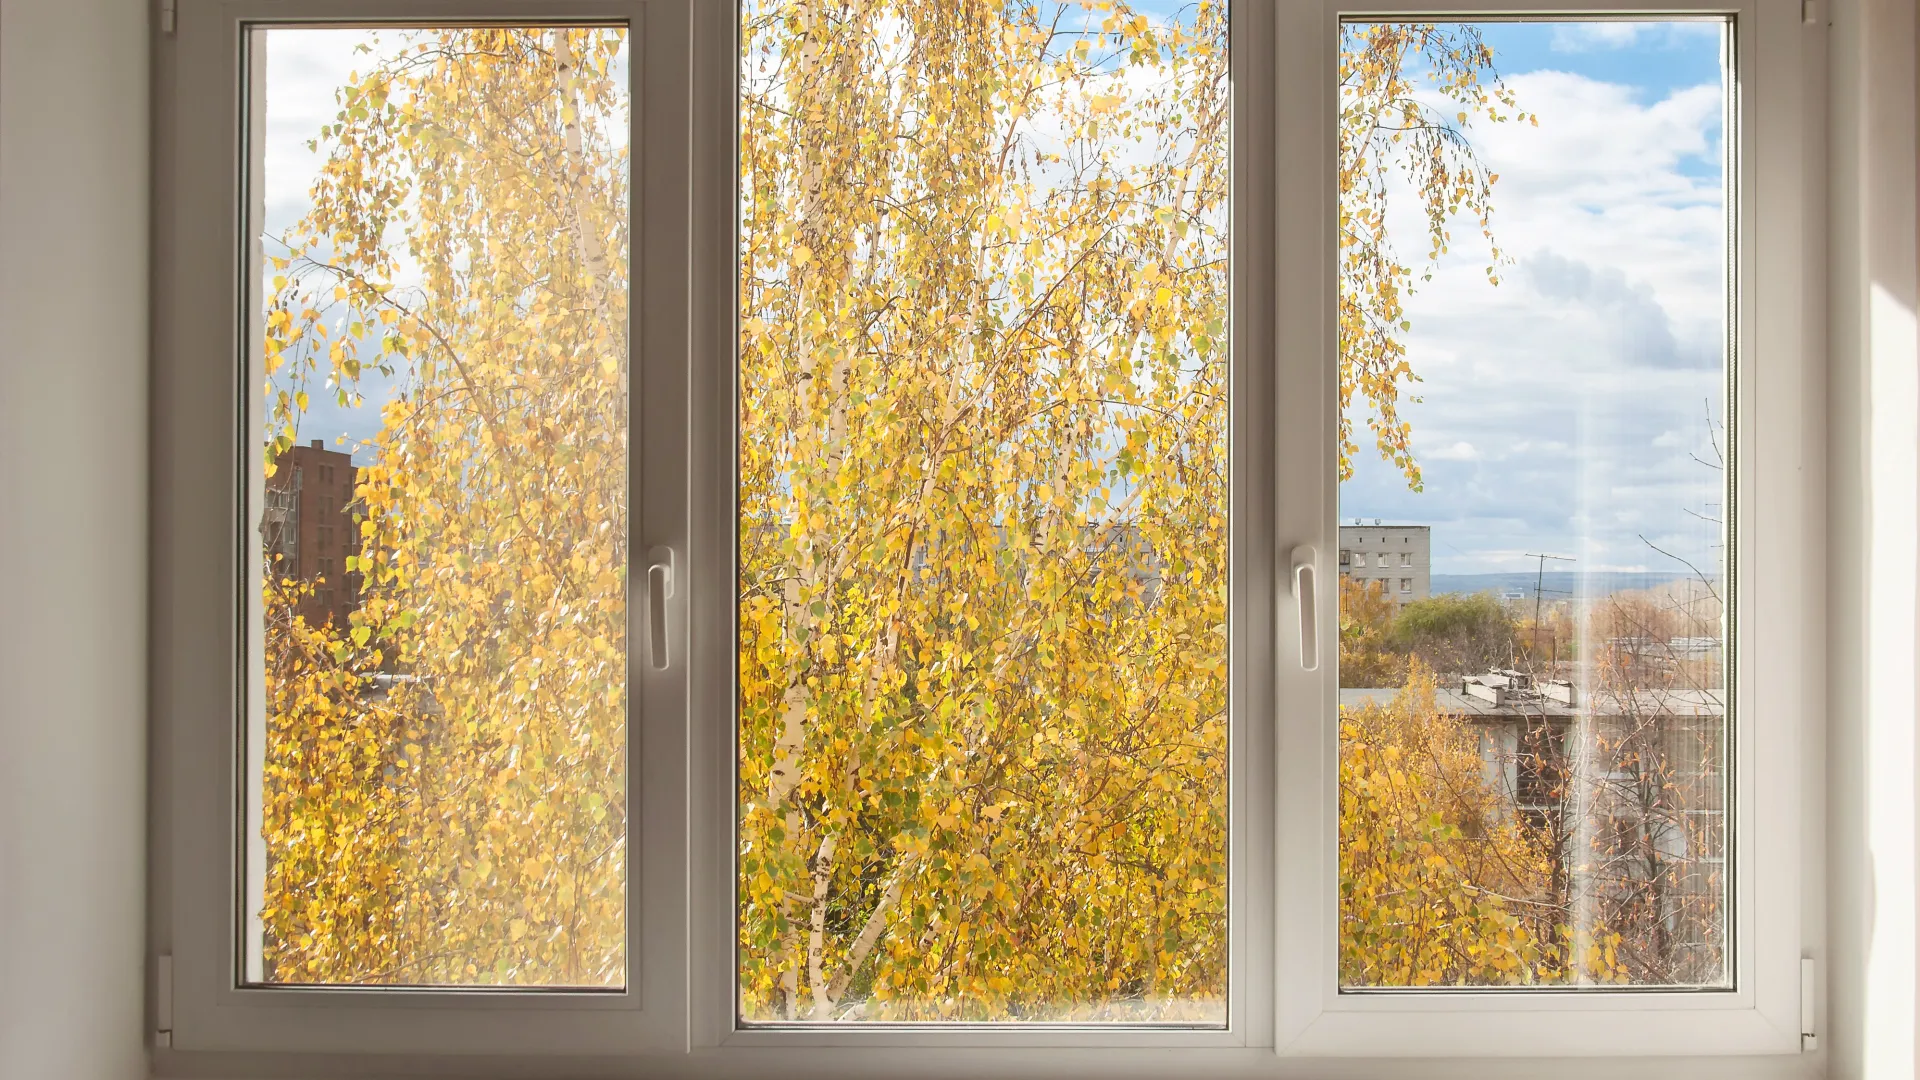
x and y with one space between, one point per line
983 502
437 735
1535 227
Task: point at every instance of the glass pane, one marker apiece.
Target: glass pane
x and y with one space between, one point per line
437 732
1534 570
983 502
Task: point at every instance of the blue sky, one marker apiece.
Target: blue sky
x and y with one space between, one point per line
1654 58
1566 410
1570 409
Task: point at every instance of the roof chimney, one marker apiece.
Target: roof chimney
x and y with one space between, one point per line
318 444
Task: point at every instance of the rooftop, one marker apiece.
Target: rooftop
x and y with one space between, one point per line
1453 702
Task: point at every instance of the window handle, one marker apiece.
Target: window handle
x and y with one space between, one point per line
1303 594
659 590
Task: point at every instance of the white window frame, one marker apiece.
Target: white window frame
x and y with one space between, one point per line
1777 704
1285 1012
205 399
1252 559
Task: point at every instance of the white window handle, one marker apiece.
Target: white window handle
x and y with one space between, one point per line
1303 595
659 591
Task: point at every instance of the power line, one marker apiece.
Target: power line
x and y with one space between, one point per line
1539 587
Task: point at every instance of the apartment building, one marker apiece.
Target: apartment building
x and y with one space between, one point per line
1626 786
1398 556
307 529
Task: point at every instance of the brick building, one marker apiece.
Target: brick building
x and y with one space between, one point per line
308 529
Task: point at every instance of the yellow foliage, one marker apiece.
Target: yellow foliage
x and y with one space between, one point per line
983 491
1389 73
1366 621
464 745
1440 884
983 467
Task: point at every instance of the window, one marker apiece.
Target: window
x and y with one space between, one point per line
1634 270
982 596
1701 345
878 611
482 672
436 765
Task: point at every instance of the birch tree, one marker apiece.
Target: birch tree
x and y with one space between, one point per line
983 462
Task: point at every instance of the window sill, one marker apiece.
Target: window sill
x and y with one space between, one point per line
841 1063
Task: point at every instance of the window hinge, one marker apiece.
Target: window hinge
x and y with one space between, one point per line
163 1001
1810 11
1809 1039
167 16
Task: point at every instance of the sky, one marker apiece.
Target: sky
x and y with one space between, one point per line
1567 410
304 68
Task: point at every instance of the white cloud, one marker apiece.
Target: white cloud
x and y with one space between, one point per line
1585 380
1596 35
1593 35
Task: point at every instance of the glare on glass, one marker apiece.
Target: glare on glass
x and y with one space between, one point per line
437 561
1535 369
982 512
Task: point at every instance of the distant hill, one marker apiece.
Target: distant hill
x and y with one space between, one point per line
1558 584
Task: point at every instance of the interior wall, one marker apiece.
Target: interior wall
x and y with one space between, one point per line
73 527
1874 396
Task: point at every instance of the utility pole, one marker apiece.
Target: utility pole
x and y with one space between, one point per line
1539 588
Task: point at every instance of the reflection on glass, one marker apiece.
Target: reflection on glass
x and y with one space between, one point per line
983 500
438 650
1532 552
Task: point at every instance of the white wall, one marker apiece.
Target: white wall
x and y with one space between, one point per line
73 527
1874 350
